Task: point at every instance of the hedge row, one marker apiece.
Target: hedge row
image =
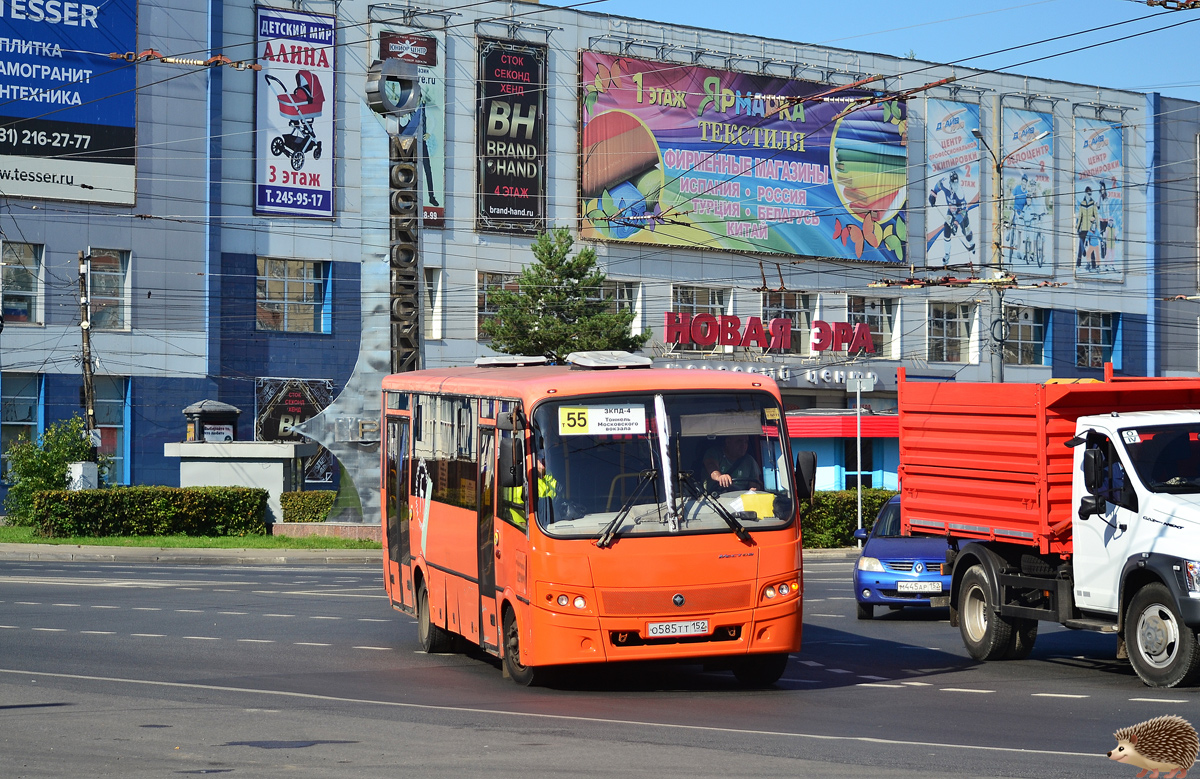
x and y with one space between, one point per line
309 506
830 522
151 511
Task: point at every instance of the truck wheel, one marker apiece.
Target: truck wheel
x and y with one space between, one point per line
1024 634
524 675
434 640
866 611
1162 649
758 671
985 633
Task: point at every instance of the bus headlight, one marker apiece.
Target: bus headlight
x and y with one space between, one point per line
580 603
563 600
870 564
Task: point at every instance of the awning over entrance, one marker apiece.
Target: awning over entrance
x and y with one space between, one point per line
842 426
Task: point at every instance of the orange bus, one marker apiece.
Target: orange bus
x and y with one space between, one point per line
596 512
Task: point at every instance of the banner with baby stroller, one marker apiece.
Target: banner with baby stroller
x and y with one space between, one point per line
1099 196
294 121
952 174
1027 207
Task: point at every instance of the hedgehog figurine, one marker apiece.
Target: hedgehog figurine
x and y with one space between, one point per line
1166 744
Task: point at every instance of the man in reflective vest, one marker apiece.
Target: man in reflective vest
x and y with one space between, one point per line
547 490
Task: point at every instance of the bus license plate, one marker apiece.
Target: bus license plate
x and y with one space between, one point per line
695 627
918 586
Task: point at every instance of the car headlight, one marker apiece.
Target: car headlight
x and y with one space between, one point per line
870 564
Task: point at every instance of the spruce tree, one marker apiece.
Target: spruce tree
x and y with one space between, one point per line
559 306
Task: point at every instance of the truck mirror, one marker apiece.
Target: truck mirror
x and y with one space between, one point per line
1091 505
512 463
806 476
1093 470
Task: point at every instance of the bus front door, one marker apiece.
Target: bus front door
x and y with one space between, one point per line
488 617
397 508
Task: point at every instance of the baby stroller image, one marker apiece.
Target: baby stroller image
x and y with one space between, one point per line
301 107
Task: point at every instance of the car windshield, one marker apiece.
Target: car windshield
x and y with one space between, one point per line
601 470
887 525
1166 458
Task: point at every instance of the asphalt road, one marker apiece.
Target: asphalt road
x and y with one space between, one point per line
145 670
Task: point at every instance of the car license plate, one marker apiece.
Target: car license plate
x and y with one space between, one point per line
695 627
918 586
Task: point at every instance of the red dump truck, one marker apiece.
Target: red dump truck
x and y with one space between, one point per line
1076 502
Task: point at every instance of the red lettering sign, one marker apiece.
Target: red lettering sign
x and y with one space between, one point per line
709 330
842 337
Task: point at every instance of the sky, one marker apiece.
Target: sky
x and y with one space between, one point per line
1143 54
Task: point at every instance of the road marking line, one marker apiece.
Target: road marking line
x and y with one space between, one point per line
1159 700
9 627
801 681
255 641
874 678
324 617
1057 695
367 619
310 643
147 635
105 607
917 684
146 608
279 615
216 590
97 632
71 605
51 630
202 638
188 611
835 616
876 684
238 613
812 663
376 648
963 689
838 671
197 589
551 717
265 592
27 603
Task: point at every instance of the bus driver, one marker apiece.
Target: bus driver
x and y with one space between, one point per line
731 467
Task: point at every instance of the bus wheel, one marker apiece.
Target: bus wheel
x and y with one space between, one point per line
760 670
985 633
1162 649
524 675
434 640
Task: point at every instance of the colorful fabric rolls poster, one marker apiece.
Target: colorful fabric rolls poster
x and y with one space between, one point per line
1027 205
1099 198
680 155
952 178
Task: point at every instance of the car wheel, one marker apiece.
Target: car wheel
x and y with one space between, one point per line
984 632
866 611
1162 649
434 640
758 671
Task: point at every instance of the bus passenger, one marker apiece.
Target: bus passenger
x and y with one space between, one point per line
731 467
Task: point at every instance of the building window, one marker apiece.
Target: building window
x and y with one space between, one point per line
693 301
110 419
108 292
1094 339
854 471
795 307
18 412
432 304
486 307
875 313
949 332
619 296
292 296
1025 343
21 283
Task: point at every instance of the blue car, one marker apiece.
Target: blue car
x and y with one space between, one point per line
898 571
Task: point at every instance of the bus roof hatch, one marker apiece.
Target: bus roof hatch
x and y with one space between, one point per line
508 361
607 359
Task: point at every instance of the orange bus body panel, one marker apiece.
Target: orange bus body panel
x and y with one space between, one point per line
990 461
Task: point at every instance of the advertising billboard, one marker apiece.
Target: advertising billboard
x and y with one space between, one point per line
688 156
952 174
281 405
426 50
293 117
511 137
1099 195
68 112
1027 211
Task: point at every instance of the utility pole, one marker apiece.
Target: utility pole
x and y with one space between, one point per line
85 328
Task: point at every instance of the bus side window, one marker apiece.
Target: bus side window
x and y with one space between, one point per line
514 501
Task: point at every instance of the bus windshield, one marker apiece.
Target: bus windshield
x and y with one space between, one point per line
601 469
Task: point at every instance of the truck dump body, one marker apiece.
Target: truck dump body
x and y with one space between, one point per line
989 461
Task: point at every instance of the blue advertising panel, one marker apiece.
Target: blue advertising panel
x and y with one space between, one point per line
68 109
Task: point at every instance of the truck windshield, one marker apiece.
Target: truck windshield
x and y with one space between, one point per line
601 470
1166 458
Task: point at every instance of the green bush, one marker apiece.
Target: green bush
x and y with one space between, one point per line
309 506
151 511
830 522
39 465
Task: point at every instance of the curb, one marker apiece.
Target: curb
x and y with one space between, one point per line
159 555
841 553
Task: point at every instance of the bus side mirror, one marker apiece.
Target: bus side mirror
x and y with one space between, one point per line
512 463
806 476
510 420
1093 470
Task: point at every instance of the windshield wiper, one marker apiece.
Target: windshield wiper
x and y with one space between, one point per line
738 528
609 533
